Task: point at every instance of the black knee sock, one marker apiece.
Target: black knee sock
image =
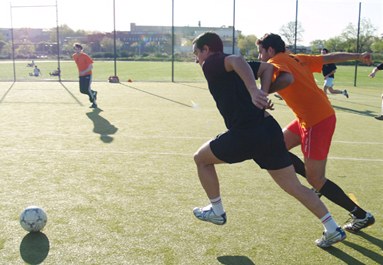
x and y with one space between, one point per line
335 194
298 164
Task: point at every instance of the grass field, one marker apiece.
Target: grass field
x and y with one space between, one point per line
152 71
134 70
119 184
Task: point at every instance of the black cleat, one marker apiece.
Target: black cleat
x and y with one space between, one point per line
353 225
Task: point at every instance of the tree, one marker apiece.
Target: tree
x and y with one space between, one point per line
336 44
64 32
7 49
317 45
2 44
347 41
107 44
246 45
288 32
377 45
350 35
25 50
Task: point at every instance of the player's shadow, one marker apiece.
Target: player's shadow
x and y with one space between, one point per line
366 252
235 260
102 126
158 96
343 256
367 113
376 241
34 248
71 94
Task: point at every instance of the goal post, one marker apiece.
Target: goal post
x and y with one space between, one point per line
35 59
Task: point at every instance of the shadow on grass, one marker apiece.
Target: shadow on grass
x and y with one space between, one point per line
70 93
152 94
378 258
6 93
367 113
193 86
373 240
343 256
235 260
34 248
102 126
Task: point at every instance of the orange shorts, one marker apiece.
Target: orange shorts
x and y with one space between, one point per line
316 140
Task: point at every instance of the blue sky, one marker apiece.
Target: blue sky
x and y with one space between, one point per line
320 19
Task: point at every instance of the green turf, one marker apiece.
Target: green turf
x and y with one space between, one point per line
134 70
153 71
119 185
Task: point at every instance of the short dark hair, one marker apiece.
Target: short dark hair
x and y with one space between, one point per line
324 49
211 39
77 45
272 40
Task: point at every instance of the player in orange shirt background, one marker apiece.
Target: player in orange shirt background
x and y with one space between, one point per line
315 120
85 65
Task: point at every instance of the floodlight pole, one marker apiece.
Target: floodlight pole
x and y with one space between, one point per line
58 43
13 47
296 27
357 44
114 37
173 41
233 27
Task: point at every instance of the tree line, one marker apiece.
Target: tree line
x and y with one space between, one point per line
101 45
347 41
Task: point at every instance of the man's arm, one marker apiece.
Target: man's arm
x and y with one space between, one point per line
331 73
375 70
337 57
88 69
265 73
283 80
241 67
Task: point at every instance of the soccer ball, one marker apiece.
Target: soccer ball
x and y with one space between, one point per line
33 219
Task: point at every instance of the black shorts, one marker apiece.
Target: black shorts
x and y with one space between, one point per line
85 84
264 144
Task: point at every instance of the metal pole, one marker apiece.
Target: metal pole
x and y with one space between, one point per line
13 47
357 44
58 42
114 37
173 40
233 27
296 27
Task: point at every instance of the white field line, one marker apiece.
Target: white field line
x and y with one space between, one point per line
145 153
19 135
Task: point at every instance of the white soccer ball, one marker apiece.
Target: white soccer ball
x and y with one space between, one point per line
33 219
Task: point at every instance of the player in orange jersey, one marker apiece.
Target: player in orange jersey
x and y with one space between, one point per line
315 120
85 65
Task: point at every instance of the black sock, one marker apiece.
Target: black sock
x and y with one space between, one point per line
335 194
298 164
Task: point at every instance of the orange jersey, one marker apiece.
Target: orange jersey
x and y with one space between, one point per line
308 102
82 61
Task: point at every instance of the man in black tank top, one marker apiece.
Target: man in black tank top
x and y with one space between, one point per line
251 134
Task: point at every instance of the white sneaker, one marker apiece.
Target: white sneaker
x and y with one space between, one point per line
207 214
328 239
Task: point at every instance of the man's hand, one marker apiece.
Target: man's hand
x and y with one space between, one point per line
260 99
270 105
366 58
